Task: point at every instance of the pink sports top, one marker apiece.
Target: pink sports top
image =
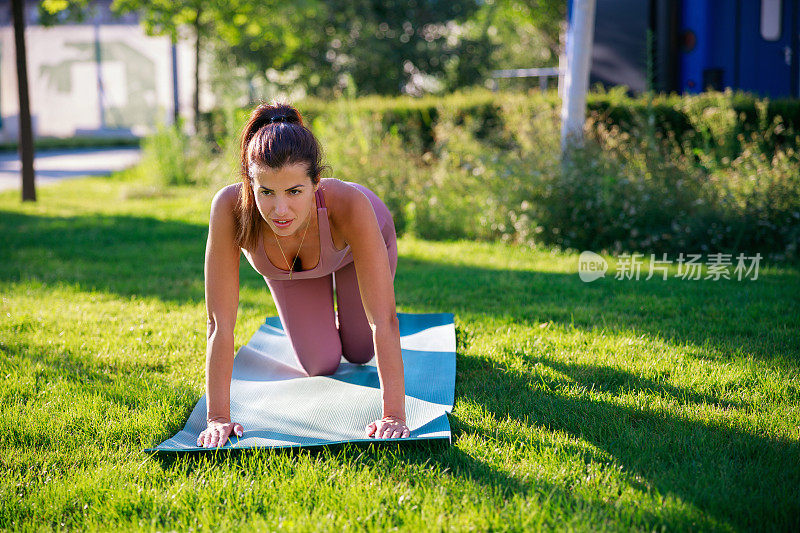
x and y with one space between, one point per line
330 258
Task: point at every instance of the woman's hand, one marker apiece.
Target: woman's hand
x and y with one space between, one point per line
388 427
216 434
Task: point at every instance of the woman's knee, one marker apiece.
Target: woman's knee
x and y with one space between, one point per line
358 350
318 350
321 366
361 359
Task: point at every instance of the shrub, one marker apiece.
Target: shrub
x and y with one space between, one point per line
360 150
165 159
715 172
627 190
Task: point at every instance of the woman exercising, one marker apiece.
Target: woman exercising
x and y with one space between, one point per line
305 235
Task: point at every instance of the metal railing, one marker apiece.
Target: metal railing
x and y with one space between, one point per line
543 74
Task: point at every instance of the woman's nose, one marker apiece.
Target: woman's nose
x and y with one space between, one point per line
281 207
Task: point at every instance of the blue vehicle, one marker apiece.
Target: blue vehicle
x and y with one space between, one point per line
687 46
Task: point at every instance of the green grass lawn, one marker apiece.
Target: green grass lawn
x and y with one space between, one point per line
611 405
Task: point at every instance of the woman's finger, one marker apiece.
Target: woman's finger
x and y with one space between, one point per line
383 429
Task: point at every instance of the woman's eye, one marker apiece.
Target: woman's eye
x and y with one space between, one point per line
293 192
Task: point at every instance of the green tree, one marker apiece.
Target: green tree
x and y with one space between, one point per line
385 47
374 46
53 12
377 45
547 16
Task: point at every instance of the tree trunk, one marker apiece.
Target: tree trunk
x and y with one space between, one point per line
25 129
176 104
196 103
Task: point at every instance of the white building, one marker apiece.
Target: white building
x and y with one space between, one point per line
104 77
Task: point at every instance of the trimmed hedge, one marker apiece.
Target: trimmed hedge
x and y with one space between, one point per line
414 119
56 143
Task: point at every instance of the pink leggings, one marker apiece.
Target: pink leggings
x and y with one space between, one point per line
319 336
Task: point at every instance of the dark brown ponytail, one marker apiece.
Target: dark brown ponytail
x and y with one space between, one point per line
273 137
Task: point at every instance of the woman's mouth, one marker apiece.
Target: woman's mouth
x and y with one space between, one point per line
285 223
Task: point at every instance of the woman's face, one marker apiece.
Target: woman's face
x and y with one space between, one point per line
284 194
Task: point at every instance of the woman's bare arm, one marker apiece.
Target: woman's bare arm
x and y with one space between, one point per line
222 300
359 226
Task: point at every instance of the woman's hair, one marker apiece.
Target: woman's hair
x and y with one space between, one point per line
273 137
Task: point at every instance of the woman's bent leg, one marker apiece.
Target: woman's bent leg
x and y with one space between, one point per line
305 307
354 329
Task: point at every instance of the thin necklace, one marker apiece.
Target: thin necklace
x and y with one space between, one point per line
291 268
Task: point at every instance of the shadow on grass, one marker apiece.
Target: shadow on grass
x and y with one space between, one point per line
132 384
741 478
164 259
615 381
122 255
727 318
440 460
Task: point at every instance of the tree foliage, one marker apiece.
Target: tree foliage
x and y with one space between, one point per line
371 46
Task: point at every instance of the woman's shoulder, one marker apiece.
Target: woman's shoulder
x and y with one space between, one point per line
229 194
339 195
223 207
340 198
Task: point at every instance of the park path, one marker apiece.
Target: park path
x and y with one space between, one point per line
55 165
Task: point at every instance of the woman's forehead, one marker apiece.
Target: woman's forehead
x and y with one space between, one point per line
295 172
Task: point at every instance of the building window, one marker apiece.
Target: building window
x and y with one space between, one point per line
771 20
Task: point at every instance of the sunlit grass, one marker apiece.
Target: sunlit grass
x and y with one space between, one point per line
611 405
